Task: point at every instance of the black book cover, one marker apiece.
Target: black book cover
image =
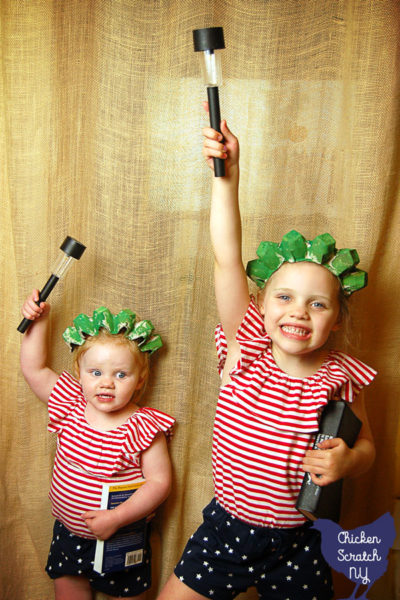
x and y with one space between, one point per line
315 502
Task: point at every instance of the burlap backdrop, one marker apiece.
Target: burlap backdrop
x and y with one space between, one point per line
101 123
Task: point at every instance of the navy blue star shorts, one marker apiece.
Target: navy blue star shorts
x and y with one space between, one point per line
226 556
73 555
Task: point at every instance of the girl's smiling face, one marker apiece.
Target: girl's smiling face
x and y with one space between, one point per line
109 374
301 307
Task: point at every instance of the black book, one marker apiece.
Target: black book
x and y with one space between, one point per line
314 501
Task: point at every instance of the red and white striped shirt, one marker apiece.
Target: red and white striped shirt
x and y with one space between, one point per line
266 420
86 457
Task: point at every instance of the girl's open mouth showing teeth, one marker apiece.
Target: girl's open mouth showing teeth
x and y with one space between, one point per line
296 331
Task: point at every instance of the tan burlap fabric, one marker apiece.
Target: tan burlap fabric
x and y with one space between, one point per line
100 139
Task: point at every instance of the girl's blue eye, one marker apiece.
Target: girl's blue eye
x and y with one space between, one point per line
96 373
121 375
284 297
317 304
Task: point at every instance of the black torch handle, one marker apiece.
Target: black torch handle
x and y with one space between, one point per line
43 295
215 122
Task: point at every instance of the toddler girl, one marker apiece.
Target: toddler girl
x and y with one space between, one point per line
277 375
103 436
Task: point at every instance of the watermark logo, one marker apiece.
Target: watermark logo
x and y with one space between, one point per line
361 554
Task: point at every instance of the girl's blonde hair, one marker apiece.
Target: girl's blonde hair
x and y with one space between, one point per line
104 336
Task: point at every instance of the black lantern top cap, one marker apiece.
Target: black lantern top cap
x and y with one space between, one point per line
210 38
72 247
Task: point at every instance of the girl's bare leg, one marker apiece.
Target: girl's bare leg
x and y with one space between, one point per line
71 586
174 589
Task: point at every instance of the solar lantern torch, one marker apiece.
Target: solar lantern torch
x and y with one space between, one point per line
209 42
72 250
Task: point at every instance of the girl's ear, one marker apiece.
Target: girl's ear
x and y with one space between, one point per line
260 302
339 322
143 377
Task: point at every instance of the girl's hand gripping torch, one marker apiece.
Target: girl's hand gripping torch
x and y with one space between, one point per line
209 41
72 250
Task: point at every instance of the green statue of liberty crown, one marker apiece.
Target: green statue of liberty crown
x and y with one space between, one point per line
321 250
123 322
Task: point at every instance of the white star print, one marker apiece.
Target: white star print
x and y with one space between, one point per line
205 563
228 523
289 578
238 539
251 569
252 531
217 552
229 586
211 592
210 569
79 560
289 563
78 547
181 578
244 557
198 576
205 539
305 587
306 548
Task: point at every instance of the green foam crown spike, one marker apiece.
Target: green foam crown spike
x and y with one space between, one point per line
293 246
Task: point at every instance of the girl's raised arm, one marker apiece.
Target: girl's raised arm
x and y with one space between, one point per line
33 354
231 286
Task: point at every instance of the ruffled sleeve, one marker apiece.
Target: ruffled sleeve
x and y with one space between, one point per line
143 427
64 397
251 336
356 374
